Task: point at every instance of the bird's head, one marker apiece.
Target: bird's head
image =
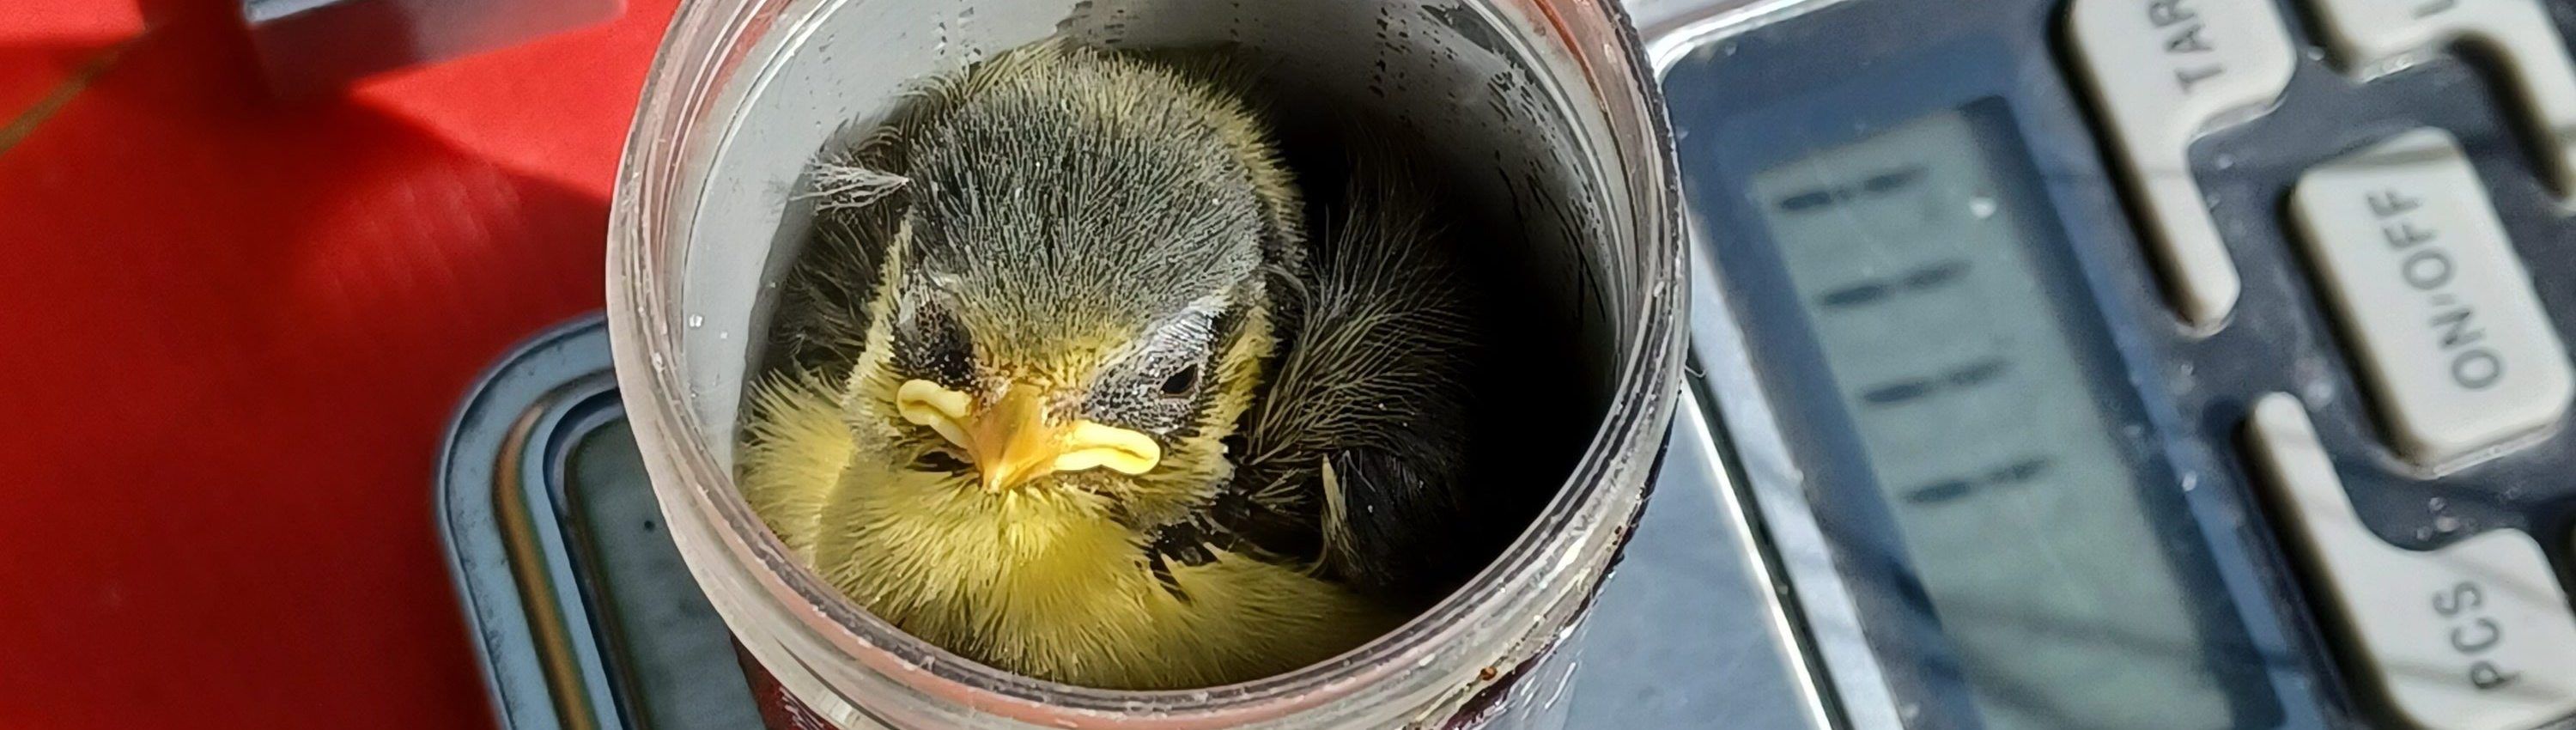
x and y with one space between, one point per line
1079 293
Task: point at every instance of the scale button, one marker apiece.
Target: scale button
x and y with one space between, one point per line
2474 636
2376 36
2416 265
2163 72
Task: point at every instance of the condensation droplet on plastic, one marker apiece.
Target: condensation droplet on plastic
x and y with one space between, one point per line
2224 161
697 321
2436 504
2446 524
1982 207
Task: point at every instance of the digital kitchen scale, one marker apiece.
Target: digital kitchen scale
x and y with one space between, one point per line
2157 364
2088 364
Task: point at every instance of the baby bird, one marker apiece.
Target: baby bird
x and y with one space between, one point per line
1069 391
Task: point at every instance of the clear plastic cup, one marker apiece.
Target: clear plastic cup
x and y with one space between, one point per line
1541 110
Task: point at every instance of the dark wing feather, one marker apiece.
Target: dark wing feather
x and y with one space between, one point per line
856 194
823 312
1355 455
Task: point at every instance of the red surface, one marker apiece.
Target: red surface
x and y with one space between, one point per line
231 333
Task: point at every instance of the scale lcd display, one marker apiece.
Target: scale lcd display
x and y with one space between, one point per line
2018 494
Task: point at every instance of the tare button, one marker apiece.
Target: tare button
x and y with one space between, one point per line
2162 73
2373 36
2454 342
2474 636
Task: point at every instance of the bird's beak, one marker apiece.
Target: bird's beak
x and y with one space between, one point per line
1011 441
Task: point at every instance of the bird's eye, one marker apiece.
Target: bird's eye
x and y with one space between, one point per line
1182 382
930 343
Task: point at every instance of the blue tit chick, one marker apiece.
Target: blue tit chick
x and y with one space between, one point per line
1068 389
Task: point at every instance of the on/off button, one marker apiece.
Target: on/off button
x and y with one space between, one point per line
2455 344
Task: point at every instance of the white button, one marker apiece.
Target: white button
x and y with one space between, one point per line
2163 72
2375 36
2474 636
2455 343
